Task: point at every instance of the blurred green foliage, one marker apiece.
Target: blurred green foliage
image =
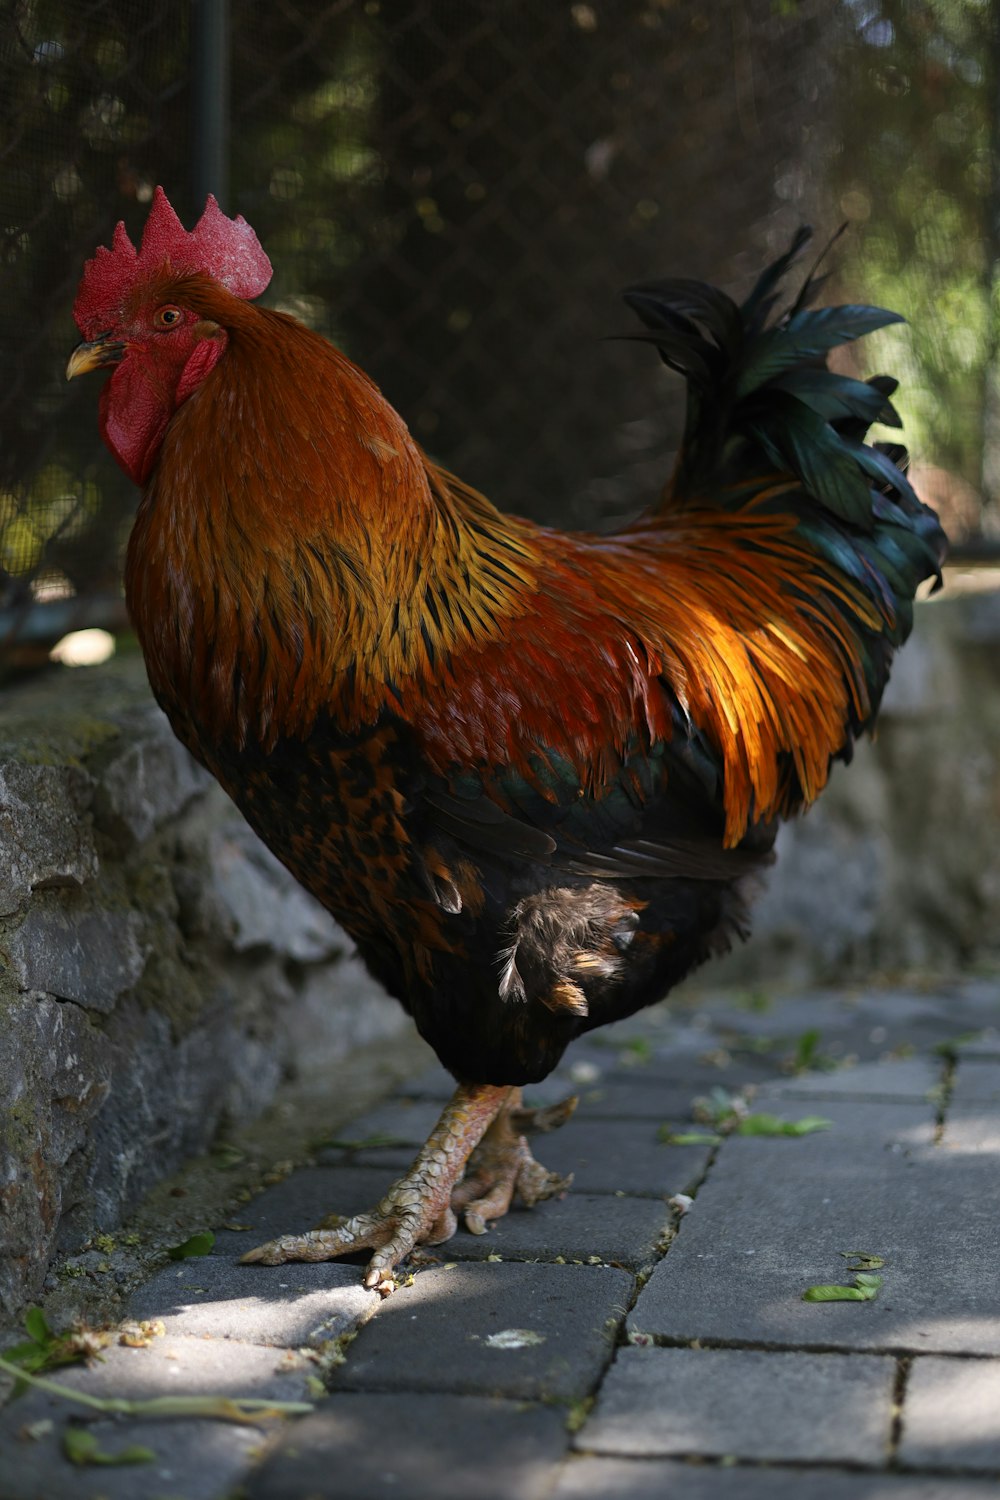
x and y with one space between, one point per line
917 176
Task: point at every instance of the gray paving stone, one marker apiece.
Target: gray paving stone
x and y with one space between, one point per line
977 1080
376 1447
436 1334
951 1414
971 1128
896 1078
744 1403
586 1478
194 1461
612 1156
302 1200
579 1226
215 1297
199 1460
662 1089
986 1044
869 1023
605 1156
774 1217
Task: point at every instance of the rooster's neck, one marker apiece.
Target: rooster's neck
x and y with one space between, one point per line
295 553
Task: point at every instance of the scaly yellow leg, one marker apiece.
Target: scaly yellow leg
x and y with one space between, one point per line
421 1208
416 1209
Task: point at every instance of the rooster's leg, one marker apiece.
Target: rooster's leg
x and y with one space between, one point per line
417 1209
502 1164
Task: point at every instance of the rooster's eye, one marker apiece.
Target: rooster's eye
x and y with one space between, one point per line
167 317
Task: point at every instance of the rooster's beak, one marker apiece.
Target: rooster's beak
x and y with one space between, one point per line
93 355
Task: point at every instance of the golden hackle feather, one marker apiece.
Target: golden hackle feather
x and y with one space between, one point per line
268 595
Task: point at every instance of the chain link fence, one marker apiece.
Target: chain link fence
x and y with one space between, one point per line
455 191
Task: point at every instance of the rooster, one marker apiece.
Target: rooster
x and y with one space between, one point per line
535 776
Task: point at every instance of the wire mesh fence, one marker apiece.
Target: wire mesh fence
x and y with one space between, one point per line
455 191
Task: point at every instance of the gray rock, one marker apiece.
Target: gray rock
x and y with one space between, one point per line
88 956
56 1073
46 839
260 905
211 976
146 777
744 1403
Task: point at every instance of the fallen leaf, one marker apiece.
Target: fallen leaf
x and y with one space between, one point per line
863 1261
198 1244
668 1137
761 1124
81 1447
865 1289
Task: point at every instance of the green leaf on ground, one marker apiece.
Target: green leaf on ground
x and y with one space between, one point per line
863 1261
762 1124
198 1244
668 1137
865 1289
81 1447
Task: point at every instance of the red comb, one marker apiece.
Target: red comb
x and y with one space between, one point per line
225 249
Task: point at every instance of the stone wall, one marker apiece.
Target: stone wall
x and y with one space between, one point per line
896 869
160 973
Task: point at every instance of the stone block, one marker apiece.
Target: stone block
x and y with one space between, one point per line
977 1081
532 1332
367 1446
744 1403
214 1297
951 1415
604 1156
587 1478
200 1459
908 1078
776 1216
579 1226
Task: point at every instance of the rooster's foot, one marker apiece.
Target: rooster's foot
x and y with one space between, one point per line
417 1209
502 1165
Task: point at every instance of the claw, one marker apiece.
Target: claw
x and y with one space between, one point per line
541 1121
483 1125
416 1210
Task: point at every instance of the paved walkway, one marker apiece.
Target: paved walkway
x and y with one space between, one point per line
611 1344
